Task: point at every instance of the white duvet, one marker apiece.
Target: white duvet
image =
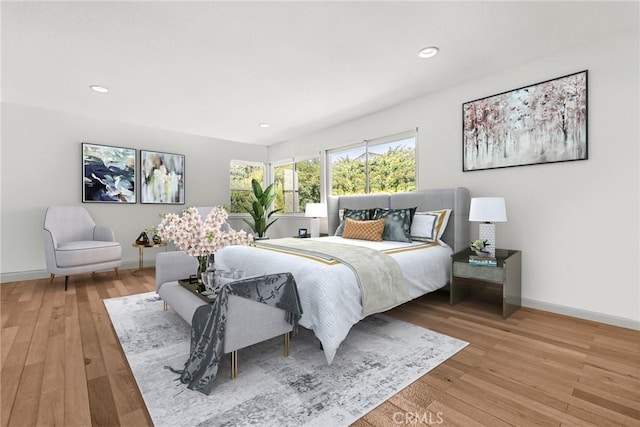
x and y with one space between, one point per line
329 294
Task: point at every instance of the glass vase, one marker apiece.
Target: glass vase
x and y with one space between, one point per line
205 262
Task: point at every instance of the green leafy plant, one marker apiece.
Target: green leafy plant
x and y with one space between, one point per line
258 208
479 245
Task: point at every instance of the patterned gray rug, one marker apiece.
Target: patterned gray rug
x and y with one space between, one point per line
380 357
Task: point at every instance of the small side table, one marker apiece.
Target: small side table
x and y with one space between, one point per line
141 253
503 279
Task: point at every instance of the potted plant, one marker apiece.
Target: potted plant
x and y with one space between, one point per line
258 208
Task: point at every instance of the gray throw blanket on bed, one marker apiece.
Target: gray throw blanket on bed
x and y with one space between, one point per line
209 322
379 276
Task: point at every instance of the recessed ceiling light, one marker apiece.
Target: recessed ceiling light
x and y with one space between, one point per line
100 89
428 52
263 125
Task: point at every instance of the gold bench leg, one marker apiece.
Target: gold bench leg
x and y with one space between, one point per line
164 306
286 344
117 273
53 276
234 364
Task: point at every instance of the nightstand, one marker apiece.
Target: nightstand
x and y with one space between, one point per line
502 281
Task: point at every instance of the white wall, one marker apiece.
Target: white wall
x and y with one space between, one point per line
42 166
577 223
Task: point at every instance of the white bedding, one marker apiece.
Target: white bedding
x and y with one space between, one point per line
329 294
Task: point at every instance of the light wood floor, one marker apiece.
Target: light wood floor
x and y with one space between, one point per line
62 364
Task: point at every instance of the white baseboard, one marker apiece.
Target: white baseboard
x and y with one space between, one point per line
582 314
19 276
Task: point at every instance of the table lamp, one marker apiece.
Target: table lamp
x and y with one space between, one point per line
488 210
315 211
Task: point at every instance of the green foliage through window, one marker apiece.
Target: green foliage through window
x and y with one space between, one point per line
297 184
380 168
241 176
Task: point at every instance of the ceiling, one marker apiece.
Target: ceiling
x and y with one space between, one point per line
219 69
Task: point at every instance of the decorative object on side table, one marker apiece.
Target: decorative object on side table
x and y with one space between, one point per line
199 238
315 211
142 239
488 210
480 247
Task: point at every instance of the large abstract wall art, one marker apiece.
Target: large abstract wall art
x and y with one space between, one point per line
108 174
542 123
161 177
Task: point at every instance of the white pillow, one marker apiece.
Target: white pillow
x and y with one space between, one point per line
429 226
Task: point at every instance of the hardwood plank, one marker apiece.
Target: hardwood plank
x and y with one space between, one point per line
10 379
94 363
27 396
605 377
626 407
8 335
103 408
51 408
139 418
76 396
125 390
54 364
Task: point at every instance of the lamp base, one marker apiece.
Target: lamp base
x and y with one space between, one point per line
487 231
315 227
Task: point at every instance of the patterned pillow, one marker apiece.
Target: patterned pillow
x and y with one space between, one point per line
397 223
363 230
429 226
355 214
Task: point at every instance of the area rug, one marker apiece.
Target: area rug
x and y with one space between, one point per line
379 357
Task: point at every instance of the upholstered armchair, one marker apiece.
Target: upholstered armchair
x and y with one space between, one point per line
73 243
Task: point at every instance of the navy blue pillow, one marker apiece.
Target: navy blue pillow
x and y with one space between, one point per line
397 223
354 214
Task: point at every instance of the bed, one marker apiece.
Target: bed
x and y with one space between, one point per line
330 292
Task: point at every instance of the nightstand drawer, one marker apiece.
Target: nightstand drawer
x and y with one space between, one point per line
489 274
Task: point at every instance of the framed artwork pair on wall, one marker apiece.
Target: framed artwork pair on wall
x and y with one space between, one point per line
109 175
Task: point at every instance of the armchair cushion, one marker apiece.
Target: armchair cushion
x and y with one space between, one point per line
72 254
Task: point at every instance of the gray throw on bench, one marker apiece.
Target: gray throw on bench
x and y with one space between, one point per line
209 322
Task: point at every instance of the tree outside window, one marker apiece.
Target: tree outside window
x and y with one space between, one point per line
297 184
388 167
241 175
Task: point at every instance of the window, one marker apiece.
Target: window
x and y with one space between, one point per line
296 184
241 175
384 165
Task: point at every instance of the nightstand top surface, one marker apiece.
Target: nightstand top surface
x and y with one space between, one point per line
501 255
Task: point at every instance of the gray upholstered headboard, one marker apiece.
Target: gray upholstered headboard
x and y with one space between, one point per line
457 233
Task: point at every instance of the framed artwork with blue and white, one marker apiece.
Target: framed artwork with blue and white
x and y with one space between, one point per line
108 174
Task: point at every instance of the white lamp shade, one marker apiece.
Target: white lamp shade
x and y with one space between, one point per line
316 210
488 209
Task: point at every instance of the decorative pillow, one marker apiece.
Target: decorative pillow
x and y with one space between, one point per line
429 226
397 223
363 230
355 214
